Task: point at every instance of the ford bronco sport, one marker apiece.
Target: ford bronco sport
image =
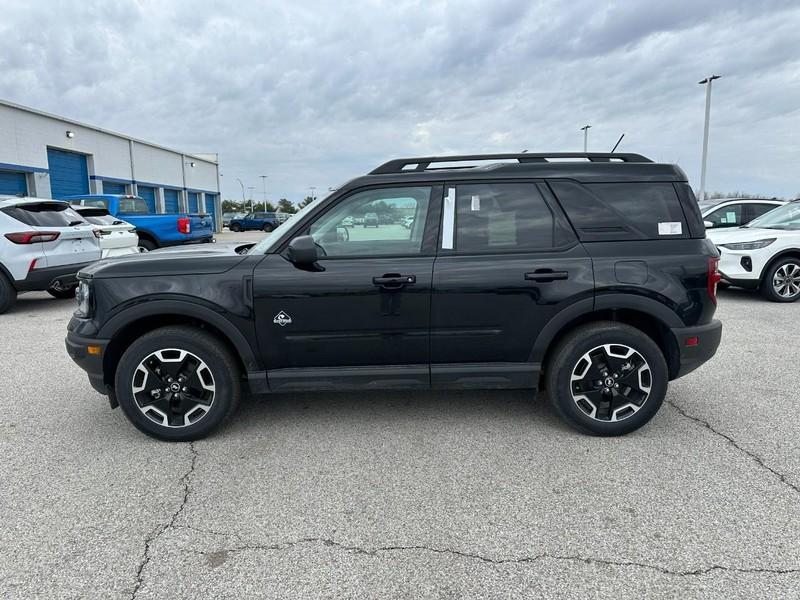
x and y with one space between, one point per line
590 278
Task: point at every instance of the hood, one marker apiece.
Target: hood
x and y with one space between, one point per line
198 259
730 235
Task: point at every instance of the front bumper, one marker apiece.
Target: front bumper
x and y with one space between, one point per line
696 345
63 276
78 348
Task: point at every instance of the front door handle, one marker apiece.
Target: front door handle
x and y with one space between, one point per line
394 281
546 275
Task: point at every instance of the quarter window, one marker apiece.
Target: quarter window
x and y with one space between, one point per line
501 217
377 222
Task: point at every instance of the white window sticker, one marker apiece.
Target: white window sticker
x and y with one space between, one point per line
670 228
476 203
730 217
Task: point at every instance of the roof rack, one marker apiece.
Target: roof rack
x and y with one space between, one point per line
401 165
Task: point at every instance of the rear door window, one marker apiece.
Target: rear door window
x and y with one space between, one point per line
501 217
755 210
46 214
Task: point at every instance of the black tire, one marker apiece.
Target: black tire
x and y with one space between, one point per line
768 285
147 244
64 294
235 228
567 358
268 228
218 361
8 294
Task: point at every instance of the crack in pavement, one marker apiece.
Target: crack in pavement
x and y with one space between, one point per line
161 529
494 561
760 461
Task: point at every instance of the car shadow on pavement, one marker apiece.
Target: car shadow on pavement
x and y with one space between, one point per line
34 303
449 408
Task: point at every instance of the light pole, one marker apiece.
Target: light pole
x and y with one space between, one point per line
244 200
585 130
707 82
264 184
250 189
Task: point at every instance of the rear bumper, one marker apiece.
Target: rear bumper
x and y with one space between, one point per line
78 350
47 277
692 355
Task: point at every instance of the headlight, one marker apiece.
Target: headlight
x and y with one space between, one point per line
756 245
84 297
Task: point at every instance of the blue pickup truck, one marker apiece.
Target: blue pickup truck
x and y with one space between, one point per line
154 230
263 221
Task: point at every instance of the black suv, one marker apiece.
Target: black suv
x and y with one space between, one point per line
589 277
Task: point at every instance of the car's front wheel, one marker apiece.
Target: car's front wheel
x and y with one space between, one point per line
63 293
607 378
177 383
235 227
781 282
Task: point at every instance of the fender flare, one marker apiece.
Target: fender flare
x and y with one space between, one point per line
184 308
582 308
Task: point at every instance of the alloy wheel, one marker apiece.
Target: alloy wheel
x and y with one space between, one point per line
173 387
786 281
611 382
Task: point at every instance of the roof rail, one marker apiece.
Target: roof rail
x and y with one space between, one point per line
422 163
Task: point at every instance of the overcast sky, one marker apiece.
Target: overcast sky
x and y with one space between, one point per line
317 92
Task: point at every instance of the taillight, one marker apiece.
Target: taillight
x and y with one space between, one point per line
714 278
32 237
184 225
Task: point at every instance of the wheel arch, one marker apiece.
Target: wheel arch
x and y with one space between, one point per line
645 314
136 321
793 252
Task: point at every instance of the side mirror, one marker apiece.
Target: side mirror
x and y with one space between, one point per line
303 251
708 224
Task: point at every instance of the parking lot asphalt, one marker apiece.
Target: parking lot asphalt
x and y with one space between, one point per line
405 495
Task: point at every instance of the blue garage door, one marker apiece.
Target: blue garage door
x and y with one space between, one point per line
69 174
110 187
13 183
211 207
194 202
148 194
170 201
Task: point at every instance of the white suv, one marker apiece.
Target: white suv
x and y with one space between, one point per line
764 254
43 244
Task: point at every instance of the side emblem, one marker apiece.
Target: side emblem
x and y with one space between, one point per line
282 319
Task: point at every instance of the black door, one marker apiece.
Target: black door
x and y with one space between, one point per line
508 262
362 317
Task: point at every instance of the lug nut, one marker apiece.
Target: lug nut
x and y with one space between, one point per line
185 389
616 385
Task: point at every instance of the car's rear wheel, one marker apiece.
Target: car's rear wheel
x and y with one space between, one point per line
146 245
177 383
781 282
235 227
268 228
63 293
607 378
8 294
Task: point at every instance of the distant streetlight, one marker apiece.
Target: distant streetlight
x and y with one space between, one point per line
707 82
250 189
244 200
585 130
264 185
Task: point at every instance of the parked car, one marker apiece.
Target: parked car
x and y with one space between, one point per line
764 254
371 220
153 230
348 222
117 237
264 221
735 212
230 216
593 280
407 222
43 244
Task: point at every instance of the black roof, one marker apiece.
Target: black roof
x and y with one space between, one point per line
581 166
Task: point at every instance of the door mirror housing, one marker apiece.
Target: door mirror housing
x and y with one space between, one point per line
303 250
708 224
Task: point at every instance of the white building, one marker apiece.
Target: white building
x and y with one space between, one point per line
51 157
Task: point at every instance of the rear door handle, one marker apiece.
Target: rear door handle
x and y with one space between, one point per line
546 275
394 281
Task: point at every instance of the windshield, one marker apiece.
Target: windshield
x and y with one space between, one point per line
784 217
265 244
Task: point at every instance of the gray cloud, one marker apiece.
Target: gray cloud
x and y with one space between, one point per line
315 93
